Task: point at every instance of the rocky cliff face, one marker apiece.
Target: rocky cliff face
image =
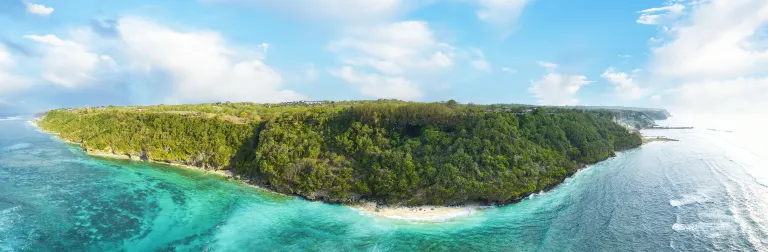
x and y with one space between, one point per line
634 118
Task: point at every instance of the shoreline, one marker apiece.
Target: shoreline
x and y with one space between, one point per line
424 214
97 153
104 154
651 139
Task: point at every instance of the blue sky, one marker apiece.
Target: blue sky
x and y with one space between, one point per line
680 54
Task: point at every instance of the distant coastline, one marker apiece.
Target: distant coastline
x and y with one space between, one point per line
651 139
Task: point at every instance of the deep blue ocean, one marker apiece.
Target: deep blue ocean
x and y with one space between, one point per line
708 192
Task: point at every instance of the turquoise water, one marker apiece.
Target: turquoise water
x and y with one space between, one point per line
703 193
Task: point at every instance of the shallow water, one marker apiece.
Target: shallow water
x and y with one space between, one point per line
703 193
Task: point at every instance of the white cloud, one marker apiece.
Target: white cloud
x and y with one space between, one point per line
477 52
394 48
721 39
481 65
508 70
265 47
500 12
38 9
405 50
557 89
379 86
202 66
10 83
720 54
479 62
548 65
654 16
674 8
624 85
68 63
5 57
738 95
648 19
343 10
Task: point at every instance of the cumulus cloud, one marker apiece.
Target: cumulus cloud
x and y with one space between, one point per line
394 48
38 9
508 70
481 65
9 82
342 10
654 16
380 86
721 39
624 86
735 96
68 63
500 12
720 54
557 89
106 27
547 65
203 67
265 47
405 51
479 62
5 57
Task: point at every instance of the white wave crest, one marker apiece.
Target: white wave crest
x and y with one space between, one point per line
687 200
708 229
18 146
10 210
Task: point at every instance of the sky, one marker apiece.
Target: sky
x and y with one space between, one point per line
691 56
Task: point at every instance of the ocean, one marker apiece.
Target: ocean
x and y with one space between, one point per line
709 191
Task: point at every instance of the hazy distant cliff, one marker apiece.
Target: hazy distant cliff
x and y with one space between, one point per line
636 118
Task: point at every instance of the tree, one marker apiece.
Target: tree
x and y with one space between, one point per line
386 151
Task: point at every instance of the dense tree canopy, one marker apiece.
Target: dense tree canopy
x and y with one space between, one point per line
389 152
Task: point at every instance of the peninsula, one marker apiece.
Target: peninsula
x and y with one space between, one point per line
385 151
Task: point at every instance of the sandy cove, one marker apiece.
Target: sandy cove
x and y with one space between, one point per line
418 213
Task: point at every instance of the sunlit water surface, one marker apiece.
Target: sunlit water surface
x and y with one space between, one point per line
707 192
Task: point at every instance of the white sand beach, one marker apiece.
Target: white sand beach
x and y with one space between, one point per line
418 213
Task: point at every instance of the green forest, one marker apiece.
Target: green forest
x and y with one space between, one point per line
385 151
